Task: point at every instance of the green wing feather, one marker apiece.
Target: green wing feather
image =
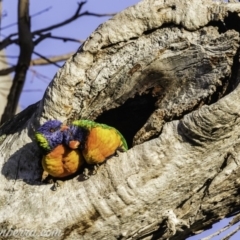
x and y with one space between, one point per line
87 124
123 140
42 141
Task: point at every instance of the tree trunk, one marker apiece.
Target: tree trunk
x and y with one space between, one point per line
5 80
166 74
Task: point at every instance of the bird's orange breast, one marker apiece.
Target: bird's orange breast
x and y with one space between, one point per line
62 161
101 143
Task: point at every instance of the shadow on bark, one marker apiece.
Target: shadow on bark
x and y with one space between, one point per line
22 167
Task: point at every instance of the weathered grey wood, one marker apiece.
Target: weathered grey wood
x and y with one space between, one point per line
181 181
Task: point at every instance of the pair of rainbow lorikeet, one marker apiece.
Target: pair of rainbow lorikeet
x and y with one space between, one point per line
65 148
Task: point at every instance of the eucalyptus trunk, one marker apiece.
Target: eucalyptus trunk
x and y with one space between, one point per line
166 74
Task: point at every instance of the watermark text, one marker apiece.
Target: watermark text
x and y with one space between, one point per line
25 233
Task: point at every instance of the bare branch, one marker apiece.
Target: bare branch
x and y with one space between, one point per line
32 90
235 220
41 61
230 224
41 38
34 15
8 56
231 233
7 71
26 48
40 76
47 59
65 39
86 13
74 17
49 35
216 233
40 12
8 40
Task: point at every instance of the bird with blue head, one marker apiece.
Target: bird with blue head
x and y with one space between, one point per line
97 141
50 135
75 137
58 159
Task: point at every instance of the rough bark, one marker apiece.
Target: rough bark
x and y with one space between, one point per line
166 74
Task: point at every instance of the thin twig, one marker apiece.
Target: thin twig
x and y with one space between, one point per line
216 233
46 59
231 233
40 76
41 61
41 38
75 16
235 220
8 56
34 15
40 12
65 39
32 90
87 13
8 40
7 71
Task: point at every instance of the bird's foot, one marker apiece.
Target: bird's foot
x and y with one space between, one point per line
118 151
86 173
56 184
95 168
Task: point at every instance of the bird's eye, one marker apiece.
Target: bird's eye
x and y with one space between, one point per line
52 130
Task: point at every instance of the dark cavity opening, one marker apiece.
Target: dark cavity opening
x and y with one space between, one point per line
232 21
222 28
236 65
229 85
131 116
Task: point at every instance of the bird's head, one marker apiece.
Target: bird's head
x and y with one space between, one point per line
50 135
74 137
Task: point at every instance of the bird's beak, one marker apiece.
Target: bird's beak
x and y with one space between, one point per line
74 144
64 127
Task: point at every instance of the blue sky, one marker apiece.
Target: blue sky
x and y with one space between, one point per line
39 77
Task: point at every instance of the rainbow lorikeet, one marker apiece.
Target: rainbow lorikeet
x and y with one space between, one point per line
97 141
58 160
